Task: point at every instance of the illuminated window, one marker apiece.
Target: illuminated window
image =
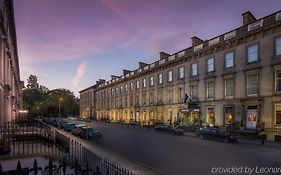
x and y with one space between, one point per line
229 114
278 114
210 115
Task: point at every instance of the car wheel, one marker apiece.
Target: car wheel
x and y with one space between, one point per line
201 137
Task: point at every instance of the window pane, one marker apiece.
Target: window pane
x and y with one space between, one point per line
194 91
210 90
229 60
210 64
194 69
252 84
278 46
229 87
160 78
252 53
278 81
181 72
151 81
170 76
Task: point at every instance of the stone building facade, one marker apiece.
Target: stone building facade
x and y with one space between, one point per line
231 79
10 84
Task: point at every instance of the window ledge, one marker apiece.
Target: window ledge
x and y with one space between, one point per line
228 98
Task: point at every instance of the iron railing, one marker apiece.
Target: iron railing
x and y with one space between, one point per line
38 139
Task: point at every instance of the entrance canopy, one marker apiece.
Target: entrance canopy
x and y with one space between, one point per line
191 107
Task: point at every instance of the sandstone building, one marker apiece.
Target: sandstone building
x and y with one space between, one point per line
10 84
231 79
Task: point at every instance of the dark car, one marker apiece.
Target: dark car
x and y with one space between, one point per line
89 133
214 133
69 126
4 150
78 129
169 129
61 124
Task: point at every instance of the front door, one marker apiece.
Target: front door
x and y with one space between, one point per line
252 117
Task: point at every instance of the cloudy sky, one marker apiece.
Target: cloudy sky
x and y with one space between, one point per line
72 43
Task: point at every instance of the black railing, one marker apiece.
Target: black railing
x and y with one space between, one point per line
40 140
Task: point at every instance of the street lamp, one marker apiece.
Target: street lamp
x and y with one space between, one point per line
60 100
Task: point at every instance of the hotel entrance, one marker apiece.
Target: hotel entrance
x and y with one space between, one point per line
190 116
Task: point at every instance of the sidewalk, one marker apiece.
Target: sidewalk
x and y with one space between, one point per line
246 141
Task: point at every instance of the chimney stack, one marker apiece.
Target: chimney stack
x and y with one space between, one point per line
125 71
113 77
164 55
142 64
196 41
100 81
248 17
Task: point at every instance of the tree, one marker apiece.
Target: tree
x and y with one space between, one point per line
32 82
39 100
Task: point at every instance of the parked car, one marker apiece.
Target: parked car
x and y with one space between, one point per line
215 133
77 130
67 127
169 129
89 133
61 124
87 119
4 150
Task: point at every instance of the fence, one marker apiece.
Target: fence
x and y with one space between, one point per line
273 134
37 139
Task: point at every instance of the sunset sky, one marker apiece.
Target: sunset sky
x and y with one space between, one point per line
72 43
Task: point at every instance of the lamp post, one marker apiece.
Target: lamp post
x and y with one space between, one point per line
60 100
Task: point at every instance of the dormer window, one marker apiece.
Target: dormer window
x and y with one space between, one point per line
198 47
255 25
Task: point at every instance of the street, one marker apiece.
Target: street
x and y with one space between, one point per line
169 154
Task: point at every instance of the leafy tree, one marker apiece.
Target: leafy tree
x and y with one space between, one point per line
39 100
32 82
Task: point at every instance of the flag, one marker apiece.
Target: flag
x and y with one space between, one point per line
186 97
